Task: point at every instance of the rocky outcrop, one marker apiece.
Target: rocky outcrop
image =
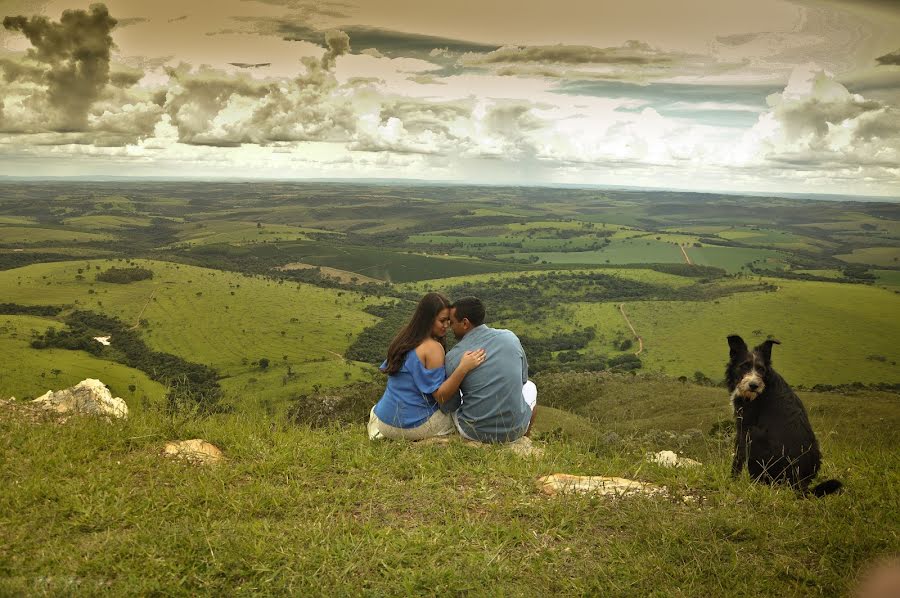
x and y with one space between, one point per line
196 451
88 397
563 483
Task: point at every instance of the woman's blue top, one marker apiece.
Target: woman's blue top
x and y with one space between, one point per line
407 400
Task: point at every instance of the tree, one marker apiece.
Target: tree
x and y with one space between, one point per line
263 363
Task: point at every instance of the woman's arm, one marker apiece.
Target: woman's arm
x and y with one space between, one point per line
470 360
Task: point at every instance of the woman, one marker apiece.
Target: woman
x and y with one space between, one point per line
417 383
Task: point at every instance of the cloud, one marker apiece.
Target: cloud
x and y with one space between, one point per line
634 60
387 42
633 52
892 58
212 108
247 65
74 55
818 124
338 44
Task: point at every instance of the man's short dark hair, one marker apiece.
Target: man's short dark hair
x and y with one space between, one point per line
470 308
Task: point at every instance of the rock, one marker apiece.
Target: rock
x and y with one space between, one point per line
195 450
671 459
89 397
563 483
524 447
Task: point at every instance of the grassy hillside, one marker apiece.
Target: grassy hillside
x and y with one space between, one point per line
225 320
306 511
27 373
830 333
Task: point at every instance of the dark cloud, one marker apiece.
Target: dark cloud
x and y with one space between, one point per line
125 78
892 58
75 54
632 61
337 43
737 39
632 53
387 42
247 65
128 22
14 71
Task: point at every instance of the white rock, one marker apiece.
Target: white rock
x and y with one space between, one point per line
89 396
103 340
195 450
671 459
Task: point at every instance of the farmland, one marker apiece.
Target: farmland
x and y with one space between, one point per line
288 275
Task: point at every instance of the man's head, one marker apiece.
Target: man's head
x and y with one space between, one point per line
465 314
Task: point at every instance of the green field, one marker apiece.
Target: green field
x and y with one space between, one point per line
830 333
28 373
734 259
877 256
223 231
624 251
35 234
227 321
107 222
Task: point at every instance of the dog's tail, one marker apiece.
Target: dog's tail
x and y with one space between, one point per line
827 487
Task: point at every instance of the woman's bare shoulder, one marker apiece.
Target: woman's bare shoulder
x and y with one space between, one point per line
431 353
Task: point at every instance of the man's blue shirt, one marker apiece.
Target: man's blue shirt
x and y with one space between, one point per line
492 409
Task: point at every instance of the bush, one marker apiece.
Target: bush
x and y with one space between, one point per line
125 275
346 405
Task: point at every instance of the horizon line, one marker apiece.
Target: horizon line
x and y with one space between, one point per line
448 182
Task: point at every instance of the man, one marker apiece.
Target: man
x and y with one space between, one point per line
498 400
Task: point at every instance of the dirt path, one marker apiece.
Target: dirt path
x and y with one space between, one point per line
137 320
686 258
633 331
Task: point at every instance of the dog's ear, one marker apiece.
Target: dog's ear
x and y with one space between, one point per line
765 349
737 346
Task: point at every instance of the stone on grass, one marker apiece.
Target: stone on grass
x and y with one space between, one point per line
195 450
563 483
89 397
671 459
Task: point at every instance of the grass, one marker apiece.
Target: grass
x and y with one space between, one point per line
877 256
107 222
236 232
831 333
35 234
28 373
306 511
732 259
221 319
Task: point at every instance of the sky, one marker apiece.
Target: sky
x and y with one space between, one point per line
793 96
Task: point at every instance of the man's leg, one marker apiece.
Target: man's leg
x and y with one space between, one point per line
529 392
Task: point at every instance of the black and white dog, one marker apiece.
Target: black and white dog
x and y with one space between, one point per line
773 433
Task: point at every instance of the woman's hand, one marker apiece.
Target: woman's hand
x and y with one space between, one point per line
472 359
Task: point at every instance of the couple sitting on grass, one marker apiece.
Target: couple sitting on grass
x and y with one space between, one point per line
480 389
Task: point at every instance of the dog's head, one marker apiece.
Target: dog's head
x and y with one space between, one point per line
748 370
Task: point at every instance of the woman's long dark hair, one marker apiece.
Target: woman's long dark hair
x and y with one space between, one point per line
416 330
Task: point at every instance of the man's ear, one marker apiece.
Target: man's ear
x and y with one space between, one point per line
765 349
736 345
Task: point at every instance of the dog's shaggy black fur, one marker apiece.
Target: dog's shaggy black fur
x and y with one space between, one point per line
773 436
